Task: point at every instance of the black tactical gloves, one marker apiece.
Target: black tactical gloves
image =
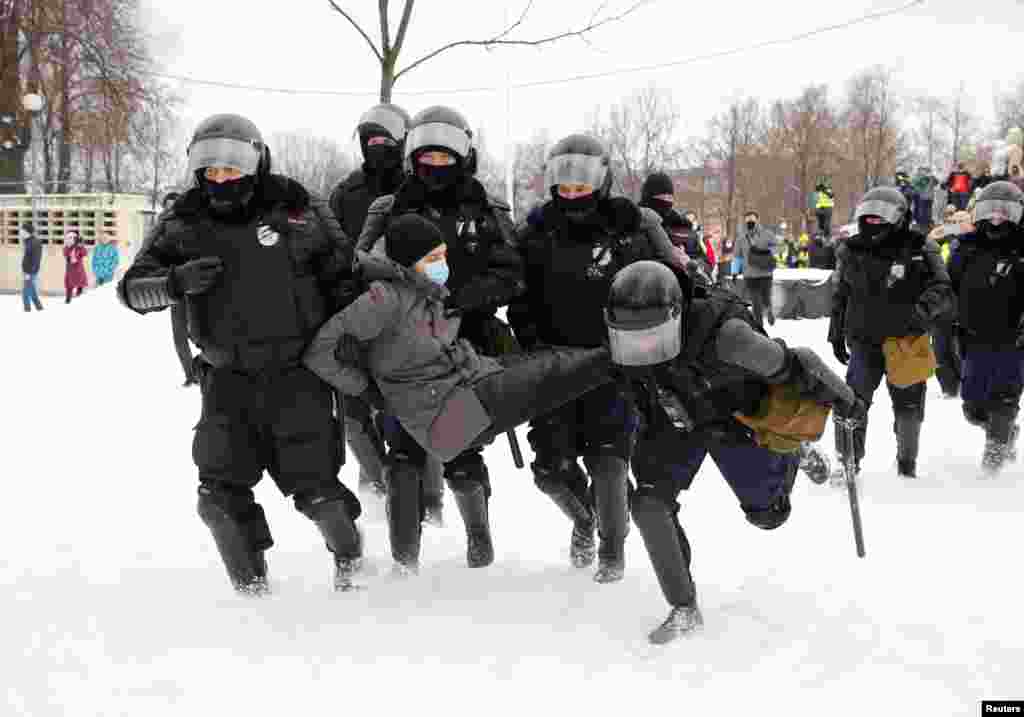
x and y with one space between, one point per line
196 276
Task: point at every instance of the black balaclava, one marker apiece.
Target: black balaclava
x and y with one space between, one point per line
580 210
381 158
655 184
229 200
875 233
438 180
751 224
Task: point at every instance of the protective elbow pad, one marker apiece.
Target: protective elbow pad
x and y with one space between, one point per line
819 379
148 294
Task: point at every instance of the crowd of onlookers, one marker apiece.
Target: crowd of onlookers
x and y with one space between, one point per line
105 259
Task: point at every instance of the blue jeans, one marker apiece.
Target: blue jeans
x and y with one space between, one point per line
29 293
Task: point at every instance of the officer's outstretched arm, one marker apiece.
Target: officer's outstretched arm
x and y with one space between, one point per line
773 362
363 320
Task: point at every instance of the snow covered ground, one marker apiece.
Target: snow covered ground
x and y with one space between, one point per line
113 600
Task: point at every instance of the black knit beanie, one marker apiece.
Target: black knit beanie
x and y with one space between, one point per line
655 184
410 237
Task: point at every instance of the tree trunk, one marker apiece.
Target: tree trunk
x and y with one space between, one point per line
64 147
387 78
90 167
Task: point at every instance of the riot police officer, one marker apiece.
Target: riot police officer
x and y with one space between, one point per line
987 271
693 360
382 130
254 259
572 246
485 273
891 290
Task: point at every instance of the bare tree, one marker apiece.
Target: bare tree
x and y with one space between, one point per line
734 136
490 170
1010 109
640 134
318 163
872 123
962 123
930 137
158 144
529 158
390 47
804 133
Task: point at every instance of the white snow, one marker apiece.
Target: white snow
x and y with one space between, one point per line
113 600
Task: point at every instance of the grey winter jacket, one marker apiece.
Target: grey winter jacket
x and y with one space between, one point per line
761 239
411 347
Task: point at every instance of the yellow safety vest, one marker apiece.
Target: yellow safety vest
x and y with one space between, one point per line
824 201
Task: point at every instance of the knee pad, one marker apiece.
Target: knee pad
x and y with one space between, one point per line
654 497
221 504
467 471
401 457
306 501
909 400
618 448
976 413
553 476
771 517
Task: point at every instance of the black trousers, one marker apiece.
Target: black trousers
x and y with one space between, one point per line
281 422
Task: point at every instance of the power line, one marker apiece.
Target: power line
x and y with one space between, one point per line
564 80
726 53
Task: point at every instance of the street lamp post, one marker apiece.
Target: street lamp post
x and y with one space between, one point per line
33 104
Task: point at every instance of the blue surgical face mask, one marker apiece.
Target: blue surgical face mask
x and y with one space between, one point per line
437 272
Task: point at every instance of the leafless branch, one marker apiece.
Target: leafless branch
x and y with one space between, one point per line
403 26
359 29
502 37
385 39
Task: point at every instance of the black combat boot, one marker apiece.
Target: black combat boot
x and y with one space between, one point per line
908 440
669 551
243 555
472 503
1000 440
565 484
610 481
433 493
403 512
333 519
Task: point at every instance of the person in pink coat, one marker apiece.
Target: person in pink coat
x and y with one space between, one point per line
75 278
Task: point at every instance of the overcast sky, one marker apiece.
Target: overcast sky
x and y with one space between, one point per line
305 45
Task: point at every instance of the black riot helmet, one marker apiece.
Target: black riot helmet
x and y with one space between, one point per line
881 213
644 315
234 142
382 130
998 210
440 129
582 160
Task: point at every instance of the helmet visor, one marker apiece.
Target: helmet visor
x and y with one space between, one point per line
997 211
890 213
642 341
575 169
224 152
383 118
438 134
